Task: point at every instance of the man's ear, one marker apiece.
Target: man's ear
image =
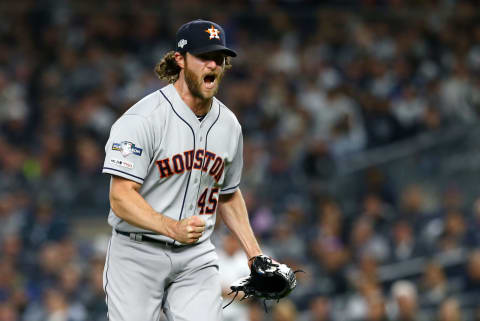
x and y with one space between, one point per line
180 59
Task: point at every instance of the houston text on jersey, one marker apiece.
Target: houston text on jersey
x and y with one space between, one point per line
186 161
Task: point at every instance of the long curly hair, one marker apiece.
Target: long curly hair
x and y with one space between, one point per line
168 70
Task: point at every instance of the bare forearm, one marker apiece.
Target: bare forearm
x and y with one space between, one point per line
130 206
234 213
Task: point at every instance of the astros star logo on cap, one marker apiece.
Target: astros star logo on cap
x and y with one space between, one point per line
214 33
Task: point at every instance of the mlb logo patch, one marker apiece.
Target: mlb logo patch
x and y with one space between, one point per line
127 148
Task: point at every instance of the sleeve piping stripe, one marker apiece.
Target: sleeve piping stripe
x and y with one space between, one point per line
226 189
116 170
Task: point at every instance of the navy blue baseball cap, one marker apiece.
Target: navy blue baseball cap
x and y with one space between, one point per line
202 36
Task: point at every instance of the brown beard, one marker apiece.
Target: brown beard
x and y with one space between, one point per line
194 83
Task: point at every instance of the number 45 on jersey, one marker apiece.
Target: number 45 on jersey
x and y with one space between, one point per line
208 201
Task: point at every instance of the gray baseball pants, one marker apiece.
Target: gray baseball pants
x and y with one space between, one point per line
141 278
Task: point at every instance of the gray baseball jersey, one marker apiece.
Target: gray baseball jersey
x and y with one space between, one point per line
182 163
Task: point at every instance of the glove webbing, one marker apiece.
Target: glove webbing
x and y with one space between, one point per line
246 296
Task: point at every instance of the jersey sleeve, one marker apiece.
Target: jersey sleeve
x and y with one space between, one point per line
129 148
233 171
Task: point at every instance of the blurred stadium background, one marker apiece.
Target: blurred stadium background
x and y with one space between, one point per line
362 154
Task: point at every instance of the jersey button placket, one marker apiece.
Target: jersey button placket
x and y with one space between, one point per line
194 201
198 174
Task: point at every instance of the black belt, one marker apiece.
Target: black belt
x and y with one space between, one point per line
140 237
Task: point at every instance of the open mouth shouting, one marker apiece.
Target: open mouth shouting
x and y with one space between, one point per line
210 80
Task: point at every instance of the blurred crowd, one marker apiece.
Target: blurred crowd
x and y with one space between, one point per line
312 86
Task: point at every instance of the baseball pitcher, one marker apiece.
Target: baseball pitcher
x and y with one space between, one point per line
175 157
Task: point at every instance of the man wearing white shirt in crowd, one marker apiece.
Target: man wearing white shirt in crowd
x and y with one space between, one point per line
232 267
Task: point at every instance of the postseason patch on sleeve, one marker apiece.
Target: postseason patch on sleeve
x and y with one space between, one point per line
127 148
119 162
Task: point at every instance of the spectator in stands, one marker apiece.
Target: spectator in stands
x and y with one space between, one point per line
318 163
320 309
45 273
55 307
285 310
474 225
357 304
330 260
89 156
471 283
344 132
365 241
70 283
93 294
328 227
296 212
376 309
256 311
404 304
12 214
287 243
256 161
409 109
231 261
454 91
412 209
379 211
452 199
44 224
11 250
328 250
411 206
434 286
13 109
432 119
309 283
449 310
382 127
378 183
403 244
454 235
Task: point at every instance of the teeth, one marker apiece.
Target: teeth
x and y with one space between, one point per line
210 85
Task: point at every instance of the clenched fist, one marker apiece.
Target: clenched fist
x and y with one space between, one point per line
189 230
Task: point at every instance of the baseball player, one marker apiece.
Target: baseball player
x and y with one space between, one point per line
174 158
